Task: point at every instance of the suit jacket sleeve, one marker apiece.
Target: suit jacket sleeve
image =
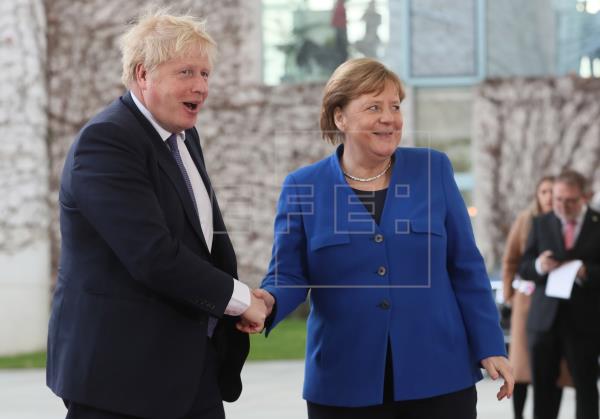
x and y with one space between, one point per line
532 251
593 275
468 275
592 266
112 188
288 265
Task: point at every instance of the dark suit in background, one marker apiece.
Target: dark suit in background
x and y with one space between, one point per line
558 327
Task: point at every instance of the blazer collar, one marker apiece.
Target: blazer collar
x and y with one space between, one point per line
347 203
192 143
339 177
163 133
221 243
168 164
556 234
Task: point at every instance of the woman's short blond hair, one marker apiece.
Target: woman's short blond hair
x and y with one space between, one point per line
158 36
350 80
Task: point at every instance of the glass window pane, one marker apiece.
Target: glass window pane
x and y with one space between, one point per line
305 40
578 40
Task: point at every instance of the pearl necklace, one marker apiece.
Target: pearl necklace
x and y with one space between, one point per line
369 179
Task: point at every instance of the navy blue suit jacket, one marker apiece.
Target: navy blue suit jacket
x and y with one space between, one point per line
416 279
136 282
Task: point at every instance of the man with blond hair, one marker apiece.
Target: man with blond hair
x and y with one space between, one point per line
147 298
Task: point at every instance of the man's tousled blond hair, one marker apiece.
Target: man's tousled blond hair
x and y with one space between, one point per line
157 37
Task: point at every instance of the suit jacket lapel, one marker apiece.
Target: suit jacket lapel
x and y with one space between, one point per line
557 237
351 215
192 143
587 229
168 164
222 250
195 150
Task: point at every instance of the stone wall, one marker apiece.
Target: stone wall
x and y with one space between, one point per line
252 138
24 214
61 65
240 125
22 125
524 129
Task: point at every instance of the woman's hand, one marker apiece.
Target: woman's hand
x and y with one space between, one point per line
498 366
266 297
253 319
249 324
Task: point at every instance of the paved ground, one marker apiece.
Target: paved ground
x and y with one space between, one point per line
23 395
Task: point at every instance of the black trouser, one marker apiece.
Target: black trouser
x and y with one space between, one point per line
519 397
79 411
207 405
581 352
459 405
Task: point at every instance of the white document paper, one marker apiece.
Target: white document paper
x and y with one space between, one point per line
560 281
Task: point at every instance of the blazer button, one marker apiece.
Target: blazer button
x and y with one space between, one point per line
381 271
384 305
378 238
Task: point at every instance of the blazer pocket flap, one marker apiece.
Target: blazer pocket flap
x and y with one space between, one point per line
328 239
423 226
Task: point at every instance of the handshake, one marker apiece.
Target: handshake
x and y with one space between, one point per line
261 306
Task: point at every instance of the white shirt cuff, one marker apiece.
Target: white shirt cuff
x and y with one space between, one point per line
538 267
240 299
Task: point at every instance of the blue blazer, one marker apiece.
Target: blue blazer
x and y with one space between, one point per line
416 279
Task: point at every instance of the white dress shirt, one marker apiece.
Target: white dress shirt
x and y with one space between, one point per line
240 300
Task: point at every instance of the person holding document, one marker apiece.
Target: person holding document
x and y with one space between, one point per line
563 323
402 315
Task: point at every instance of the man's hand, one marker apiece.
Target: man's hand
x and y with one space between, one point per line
266 297
498 366
581 273
253 319
547 262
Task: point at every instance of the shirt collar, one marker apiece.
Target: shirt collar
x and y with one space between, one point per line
163 133
579 218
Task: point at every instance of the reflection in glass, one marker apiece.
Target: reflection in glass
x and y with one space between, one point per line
306 40
578 37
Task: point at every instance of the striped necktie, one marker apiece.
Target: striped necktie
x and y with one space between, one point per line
172 142
570 234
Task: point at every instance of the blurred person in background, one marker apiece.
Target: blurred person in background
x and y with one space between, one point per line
402 316
564 327
517 294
